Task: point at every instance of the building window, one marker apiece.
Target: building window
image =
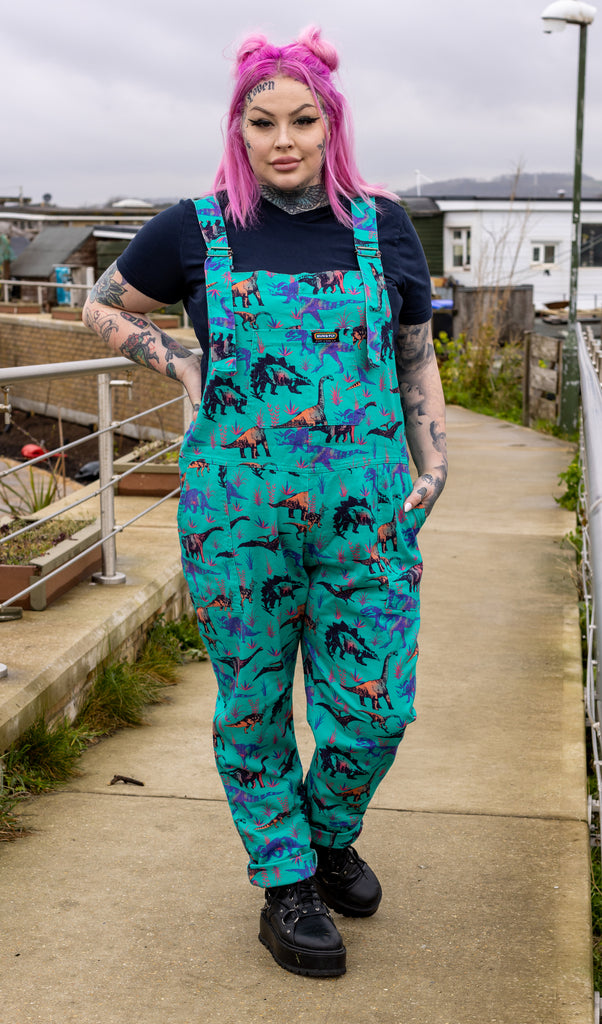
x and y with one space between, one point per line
461 247
591 245
543 253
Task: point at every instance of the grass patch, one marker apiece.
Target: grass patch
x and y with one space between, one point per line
37 541
47 756
44 757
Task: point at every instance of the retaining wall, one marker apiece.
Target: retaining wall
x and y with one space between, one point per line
27 340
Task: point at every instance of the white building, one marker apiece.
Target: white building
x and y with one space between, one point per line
496 242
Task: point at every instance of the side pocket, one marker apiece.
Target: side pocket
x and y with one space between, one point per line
415 518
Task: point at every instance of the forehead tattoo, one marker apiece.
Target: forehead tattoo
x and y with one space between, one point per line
260 87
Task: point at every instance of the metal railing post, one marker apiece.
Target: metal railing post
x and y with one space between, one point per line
109 574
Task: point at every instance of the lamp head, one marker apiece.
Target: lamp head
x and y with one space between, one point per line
561 13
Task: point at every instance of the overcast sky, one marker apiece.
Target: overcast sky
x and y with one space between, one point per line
106 98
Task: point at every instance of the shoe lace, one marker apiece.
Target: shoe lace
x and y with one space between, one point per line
302 899
345 861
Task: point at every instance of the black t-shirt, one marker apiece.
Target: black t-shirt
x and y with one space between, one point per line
166 258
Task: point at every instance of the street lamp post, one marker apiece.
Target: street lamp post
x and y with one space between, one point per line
555 18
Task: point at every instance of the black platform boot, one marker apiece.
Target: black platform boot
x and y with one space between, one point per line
299 932
346 883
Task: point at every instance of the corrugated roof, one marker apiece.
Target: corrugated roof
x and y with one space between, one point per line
51 247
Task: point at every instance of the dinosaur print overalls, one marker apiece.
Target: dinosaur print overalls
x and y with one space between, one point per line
292 530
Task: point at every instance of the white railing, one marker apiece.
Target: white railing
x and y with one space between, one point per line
107 478
8 283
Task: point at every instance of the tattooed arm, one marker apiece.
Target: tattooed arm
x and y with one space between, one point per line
424 410
117 312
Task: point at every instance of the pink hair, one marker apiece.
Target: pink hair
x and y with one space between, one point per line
311 60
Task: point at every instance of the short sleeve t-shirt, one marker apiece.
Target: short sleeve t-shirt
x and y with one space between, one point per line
166 258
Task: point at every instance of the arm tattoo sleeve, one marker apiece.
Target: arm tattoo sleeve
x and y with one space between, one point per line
414 348
107 290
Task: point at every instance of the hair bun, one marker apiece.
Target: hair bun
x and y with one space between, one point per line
248 47
310 37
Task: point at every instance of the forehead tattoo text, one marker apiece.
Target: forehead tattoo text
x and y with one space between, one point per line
260 87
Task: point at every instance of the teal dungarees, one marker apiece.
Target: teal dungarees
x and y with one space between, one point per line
293 533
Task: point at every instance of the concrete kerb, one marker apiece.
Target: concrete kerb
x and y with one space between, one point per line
58 689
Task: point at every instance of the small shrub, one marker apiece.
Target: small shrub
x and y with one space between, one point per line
571 477
21 497
185 633
482 374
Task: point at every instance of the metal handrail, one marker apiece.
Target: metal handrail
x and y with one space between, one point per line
107 478
589 353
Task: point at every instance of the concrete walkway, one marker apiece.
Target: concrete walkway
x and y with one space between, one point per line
131 904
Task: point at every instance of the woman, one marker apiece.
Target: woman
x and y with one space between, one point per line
310 296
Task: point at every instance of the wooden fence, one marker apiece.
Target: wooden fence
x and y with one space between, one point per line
542 379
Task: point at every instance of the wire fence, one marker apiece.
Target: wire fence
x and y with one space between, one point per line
107 478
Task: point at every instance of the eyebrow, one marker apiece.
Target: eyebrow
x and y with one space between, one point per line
293 112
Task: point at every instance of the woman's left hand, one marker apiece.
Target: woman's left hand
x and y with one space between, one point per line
425 491
424 412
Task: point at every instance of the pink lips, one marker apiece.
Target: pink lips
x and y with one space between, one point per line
285 164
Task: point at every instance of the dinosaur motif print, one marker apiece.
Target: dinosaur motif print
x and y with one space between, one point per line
346 641
374 690
222 392
297 502
330 280
350 514
314 415
243 289
293 535
248 320
272 373
250 439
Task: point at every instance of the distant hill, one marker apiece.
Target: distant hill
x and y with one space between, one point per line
545 185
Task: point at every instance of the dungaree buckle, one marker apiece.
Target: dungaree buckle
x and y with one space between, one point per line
368 250
220 250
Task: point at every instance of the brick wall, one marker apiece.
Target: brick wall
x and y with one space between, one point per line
38 339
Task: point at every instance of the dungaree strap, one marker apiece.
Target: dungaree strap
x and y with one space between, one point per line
378 311
218 283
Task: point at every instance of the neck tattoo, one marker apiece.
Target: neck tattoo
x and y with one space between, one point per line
296 201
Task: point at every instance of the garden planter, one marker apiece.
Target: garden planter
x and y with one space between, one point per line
20 308
166 321
14 578
66 313
153 480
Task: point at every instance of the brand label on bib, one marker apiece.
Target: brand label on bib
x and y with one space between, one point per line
325 336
